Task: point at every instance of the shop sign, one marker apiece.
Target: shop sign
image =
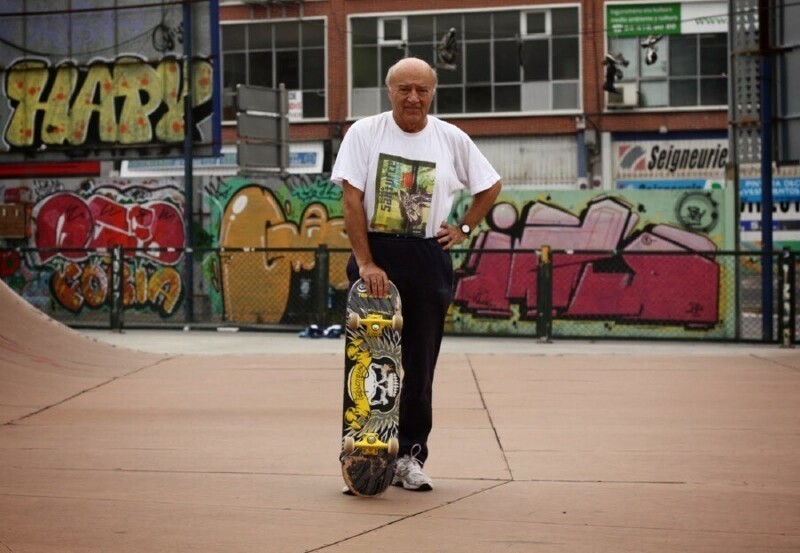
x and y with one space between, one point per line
784 189
643 19
699 159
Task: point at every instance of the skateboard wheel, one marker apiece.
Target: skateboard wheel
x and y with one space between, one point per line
353 321
397 322
394 447
349 444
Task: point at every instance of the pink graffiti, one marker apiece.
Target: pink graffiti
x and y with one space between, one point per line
65 220
635 288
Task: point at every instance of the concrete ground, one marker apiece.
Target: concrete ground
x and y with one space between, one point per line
201 441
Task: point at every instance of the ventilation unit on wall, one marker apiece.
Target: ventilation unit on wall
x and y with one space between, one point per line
628 96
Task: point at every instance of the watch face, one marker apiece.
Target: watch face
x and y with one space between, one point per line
466 229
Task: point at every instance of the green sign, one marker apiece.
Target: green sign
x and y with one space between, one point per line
643 19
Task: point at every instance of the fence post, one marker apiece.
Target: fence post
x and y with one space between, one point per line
321 262
116 303
544 296
786 296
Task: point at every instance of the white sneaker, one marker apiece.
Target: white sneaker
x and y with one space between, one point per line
408 473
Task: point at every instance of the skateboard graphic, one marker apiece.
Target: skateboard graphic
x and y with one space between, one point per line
372 379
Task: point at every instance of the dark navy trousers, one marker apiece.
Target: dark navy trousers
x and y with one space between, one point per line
423 274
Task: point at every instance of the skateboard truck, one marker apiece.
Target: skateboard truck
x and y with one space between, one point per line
374 323
370 444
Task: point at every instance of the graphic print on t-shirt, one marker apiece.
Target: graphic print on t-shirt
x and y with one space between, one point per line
403 192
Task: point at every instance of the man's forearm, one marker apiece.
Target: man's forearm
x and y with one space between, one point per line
481 203
355 222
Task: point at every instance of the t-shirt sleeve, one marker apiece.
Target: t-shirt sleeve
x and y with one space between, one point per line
352 162
473 169
482 174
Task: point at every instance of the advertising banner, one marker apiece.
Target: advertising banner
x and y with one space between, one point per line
635 20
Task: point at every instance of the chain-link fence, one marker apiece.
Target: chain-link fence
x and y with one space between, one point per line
538 293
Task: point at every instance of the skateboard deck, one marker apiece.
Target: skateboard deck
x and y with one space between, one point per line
372 379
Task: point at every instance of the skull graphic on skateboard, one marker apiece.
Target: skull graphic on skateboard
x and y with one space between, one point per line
372 379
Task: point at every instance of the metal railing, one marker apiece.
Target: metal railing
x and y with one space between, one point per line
544 293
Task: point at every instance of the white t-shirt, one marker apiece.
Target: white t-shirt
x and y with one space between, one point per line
409 180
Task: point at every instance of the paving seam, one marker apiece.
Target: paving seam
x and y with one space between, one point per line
447 503
489 415
406 517
87 390
775 361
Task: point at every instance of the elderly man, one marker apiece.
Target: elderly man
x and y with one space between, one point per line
400 171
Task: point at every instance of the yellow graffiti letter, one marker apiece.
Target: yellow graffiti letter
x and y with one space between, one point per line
170 127
66 287
94 285
132 77
95 95
165 289
56 125
24 84
203 77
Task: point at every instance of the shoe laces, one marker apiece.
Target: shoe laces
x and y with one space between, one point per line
413 462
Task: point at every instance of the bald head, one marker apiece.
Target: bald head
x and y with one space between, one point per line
411 84
414 65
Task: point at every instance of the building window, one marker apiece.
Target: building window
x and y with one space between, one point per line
690 70
508 61
270 53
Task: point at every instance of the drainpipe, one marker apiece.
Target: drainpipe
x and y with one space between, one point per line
580 124
608 161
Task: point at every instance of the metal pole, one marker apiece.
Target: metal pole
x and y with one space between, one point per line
786 296
283 100
321 263
732 170
544 296
188 169
117 298
765 94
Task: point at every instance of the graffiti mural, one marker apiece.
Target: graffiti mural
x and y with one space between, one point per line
124 101
299 212
105 83
608 276
105 220
75 226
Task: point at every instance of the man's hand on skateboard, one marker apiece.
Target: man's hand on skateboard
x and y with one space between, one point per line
375 278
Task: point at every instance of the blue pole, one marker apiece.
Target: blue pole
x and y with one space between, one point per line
217 93
188 169
766 173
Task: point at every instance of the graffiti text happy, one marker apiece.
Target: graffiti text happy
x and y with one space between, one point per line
127 101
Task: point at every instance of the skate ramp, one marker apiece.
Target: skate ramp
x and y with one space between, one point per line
43 362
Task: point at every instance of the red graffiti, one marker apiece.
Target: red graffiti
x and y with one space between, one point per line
9 263
631 287
65 220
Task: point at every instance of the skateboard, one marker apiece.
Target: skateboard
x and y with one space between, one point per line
373 377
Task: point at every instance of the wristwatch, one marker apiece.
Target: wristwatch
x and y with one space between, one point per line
466 229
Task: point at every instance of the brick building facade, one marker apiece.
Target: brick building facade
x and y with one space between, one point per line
510 57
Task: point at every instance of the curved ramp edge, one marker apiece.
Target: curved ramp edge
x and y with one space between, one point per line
44 362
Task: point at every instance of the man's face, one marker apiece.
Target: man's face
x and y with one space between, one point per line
411 91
